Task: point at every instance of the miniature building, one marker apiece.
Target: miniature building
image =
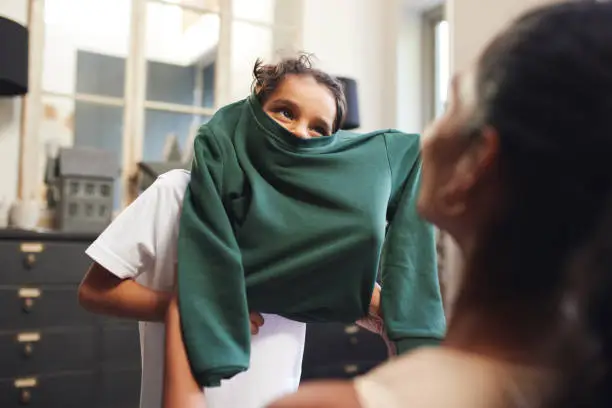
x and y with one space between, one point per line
81 180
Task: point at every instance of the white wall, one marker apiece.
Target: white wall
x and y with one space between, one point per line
410 110
378 43
473 23
357 39
10 116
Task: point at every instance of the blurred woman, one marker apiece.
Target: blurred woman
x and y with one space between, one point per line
517 172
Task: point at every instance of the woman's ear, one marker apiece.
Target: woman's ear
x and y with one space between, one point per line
475 162
485 152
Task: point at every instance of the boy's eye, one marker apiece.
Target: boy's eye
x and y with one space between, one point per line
286 113
320 131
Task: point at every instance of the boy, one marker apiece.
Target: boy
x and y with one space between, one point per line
133 276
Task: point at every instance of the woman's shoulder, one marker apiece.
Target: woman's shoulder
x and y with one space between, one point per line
432 378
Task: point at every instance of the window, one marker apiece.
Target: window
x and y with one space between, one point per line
436 63
83 76
129 75
441 66
180 69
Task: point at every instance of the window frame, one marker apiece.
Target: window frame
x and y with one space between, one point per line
430 20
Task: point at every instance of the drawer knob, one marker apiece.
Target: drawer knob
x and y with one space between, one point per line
28 349
25 397
28 304
28 339
30 260
28 295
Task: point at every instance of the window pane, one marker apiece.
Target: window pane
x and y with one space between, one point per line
77 33
100 74
249 42
67 122
181 50
208 94
280 12
161 126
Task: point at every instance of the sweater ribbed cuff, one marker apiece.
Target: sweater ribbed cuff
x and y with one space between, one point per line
411 343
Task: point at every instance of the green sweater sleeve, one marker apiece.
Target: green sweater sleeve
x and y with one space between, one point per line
211 286
411 300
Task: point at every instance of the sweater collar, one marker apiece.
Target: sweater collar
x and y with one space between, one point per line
282 135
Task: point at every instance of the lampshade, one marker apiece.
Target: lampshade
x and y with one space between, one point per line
13 58
352 103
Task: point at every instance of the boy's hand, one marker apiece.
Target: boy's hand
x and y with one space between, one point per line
374 323
375 302
257 321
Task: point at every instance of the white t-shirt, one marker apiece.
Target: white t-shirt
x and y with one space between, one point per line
141 244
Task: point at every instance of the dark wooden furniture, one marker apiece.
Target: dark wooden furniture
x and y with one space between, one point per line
55 354
52 352
336 350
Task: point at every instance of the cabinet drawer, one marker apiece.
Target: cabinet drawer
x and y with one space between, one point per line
41 307
121 345
120 389
42 262
74 390
47 351
339 344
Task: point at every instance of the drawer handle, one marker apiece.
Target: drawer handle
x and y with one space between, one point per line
28 339
28 295
25 386
36 247
351 329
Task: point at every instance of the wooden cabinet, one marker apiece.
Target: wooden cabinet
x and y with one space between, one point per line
52 352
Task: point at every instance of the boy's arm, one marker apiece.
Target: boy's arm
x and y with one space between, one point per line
180 390
140 240
103 292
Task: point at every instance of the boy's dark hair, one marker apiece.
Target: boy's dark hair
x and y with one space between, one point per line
267 77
